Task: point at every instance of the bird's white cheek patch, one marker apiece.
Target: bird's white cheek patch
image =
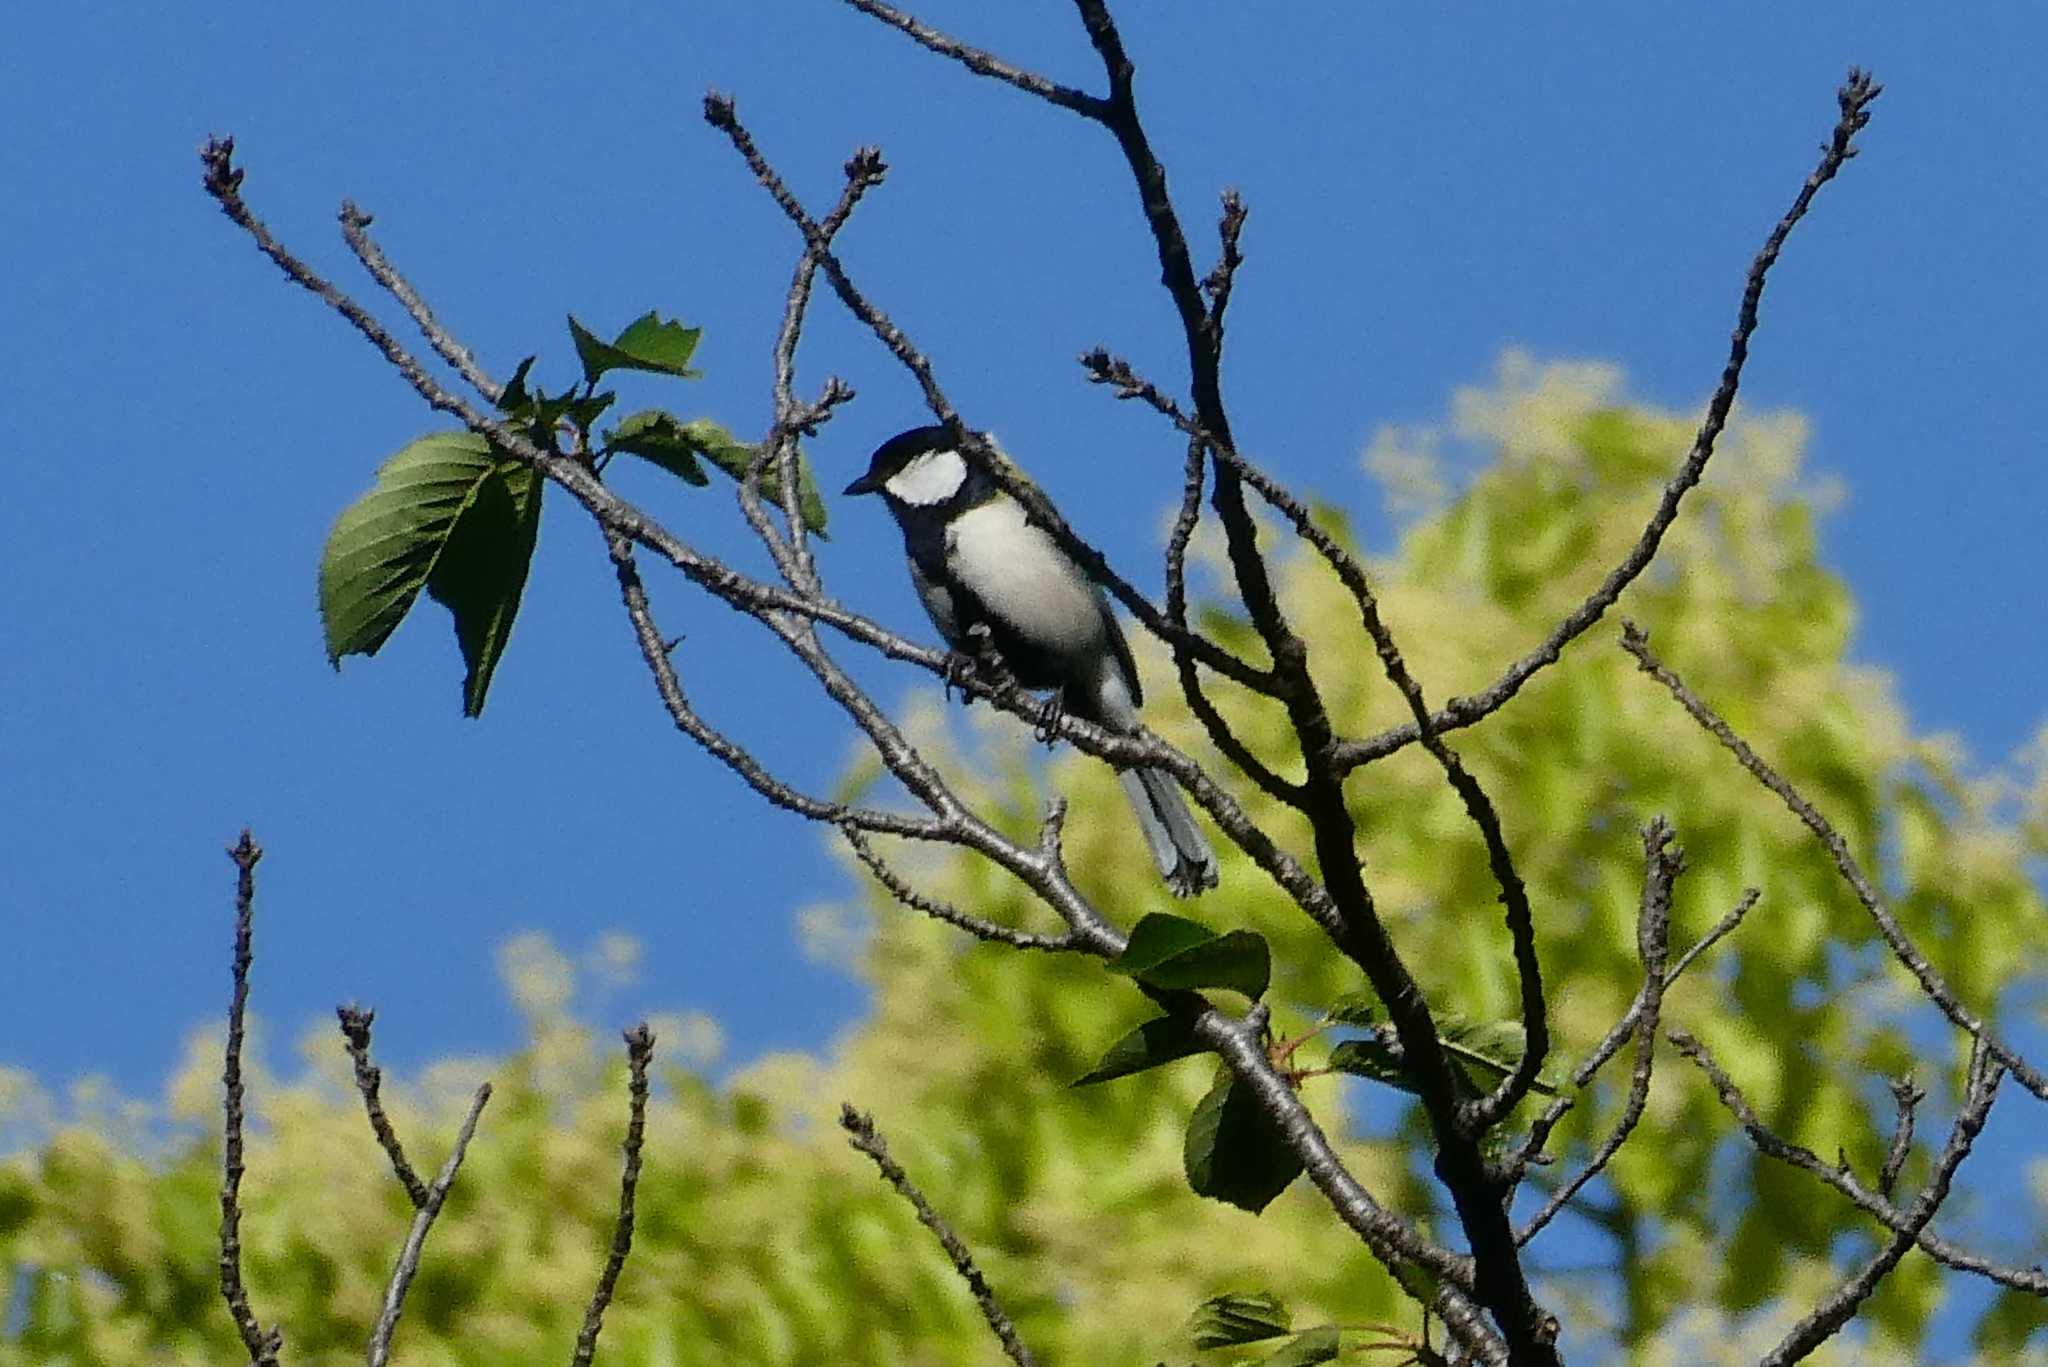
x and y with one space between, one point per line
930 478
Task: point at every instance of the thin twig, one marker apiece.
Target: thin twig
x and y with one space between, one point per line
979 62
863 1136
355 1029
639 1053
354 222
263 1345
416 1238
1767 1142
977 926
1840 1305
1662 863
1854 99
1907 1094
864 170
1622 1032
1637 643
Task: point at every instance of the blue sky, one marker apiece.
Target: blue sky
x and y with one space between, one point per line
1429 185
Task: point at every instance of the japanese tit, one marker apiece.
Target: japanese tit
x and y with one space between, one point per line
976 560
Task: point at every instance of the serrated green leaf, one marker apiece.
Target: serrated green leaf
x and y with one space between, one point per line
649 343
391 543
1238 1317
658 436
1173 952
1311 1346
481 573
1234 1153
1161 1040
1354 1008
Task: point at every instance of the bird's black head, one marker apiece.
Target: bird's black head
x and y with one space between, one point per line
920 467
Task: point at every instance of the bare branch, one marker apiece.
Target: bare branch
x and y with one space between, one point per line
1662 863
1714 936
864 1137
1841 1304
355 1029
1854 98
354 222
1637 643
1907 1095
1622 1032
979 62
979 927
416 1239
2032 1280
864 170
263 1345
639 1053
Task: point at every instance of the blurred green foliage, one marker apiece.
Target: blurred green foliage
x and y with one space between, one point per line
763 1240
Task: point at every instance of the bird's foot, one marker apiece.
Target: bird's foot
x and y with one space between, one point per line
1050 711
960 667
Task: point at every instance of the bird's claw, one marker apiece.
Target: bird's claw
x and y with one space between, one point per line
1050 712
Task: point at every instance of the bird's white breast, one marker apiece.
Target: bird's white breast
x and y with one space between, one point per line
1022 577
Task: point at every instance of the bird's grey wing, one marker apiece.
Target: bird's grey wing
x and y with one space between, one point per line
1125 663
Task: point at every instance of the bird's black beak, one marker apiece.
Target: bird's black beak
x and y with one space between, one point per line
866 484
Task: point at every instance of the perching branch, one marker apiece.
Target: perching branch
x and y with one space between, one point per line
863 1135
1854 98
1637 643
263 1345
639 1054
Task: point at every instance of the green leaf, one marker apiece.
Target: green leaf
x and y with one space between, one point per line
1163 1039
1234 1152
481 572
1371 1057
1354 1008
1239 1317
649 343
445 513
1174 952
515 398
733 456
1494 1047
656 436
1311 1346
584 412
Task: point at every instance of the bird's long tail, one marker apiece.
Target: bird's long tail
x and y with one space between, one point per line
1185 861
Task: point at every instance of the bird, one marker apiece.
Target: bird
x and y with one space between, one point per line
979 564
